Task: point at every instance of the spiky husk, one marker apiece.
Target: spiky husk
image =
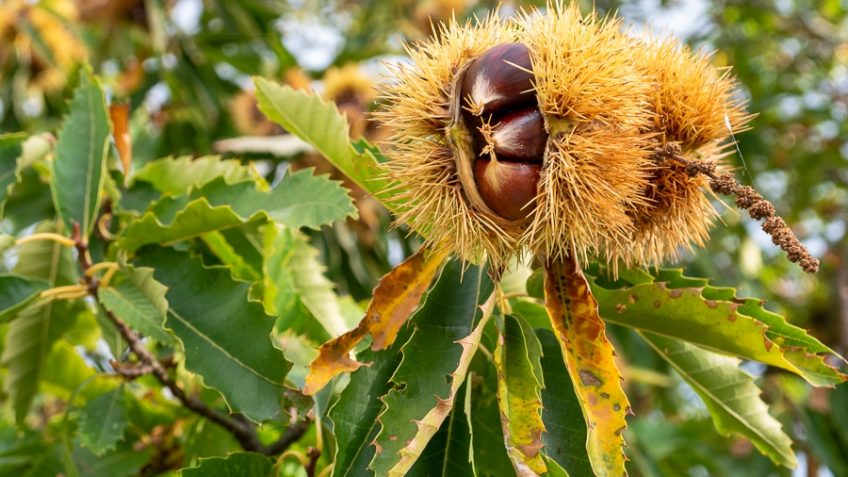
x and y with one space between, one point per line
422 161
594 103
693 106
609 101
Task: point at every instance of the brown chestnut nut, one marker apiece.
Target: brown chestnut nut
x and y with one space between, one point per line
520 136
499 79
508 188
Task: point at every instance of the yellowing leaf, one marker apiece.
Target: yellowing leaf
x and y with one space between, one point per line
589 359
517 359
395 298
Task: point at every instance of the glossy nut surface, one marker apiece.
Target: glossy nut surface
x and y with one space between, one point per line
520 136
499 79
508 188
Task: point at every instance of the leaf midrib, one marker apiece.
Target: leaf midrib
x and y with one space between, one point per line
109 411
216 346
706 391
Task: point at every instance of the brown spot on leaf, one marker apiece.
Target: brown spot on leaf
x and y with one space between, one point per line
605 395
768 343
616 407
675 293
632 298
588 378
711 304
657 303
619 308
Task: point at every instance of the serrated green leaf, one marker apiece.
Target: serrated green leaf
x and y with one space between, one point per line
448 327
196 218
300 200
242 464
565 427
176 175
293 274
211 315
520 380
81 150
33 333
102 422
137 299
319 123
489 452
448 454
780 331
688 309
16 292
729 394
10 151
355 413
307 200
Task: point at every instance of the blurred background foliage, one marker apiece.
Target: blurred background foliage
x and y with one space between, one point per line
184 67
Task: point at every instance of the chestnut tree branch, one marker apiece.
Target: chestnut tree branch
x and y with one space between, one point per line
241 429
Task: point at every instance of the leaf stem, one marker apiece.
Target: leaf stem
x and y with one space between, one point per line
59 292
100 266
60 239
242 430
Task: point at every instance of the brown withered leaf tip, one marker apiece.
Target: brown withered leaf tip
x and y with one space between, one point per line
611 104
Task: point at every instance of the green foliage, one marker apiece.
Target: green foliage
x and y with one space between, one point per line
320 124
16 292
139 300
173 338
212 317
688 309
565 427
240 463
34 331
435 360
175 175
520 381
729 394
79 169
354 418
300 200
102 422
